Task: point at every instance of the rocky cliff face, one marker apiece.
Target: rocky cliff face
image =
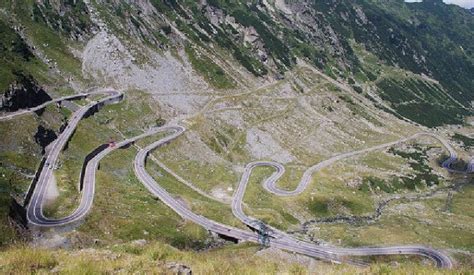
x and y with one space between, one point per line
294 81
360 42
22 93
70 18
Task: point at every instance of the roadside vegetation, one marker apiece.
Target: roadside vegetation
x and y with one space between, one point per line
467 142
121 200
53 34
421 102
408 222
20 154
158 258
213 74
306 117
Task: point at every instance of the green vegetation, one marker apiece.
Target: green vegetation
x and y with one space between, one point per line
449 54
384 46
158 258
423 175
408 222
250 63
421 102
251 16
274 44
119 206
466 141
265 206
243 55
419 39
20 155
224 35
38 22
209 70
374 183
117 186
73 21
9 184
418 162
402 46
84 141
16 57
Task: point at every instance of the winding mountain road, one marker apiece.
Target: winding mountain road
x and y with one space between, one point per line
8 116
35 207
278 239
270 185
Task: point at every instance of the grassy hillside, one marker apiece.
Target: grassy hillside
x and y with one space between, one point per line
156 258
295 82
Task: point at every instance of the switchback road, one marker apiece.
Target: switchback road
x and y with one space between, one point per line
278 238
35 207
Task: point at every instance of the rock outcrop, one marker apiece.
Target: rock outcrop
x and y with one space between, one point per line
23 93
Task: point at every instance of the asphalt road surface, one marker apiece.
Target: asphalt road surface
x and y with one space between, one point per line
277 238
11 115
35 207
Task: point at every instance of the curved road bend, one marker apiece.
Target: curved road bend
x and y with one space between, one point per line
39 107
439 258
279 239
270 185
240 234
35 206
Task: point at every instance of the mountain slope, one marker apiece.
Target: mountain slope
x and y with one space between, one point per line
295 82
